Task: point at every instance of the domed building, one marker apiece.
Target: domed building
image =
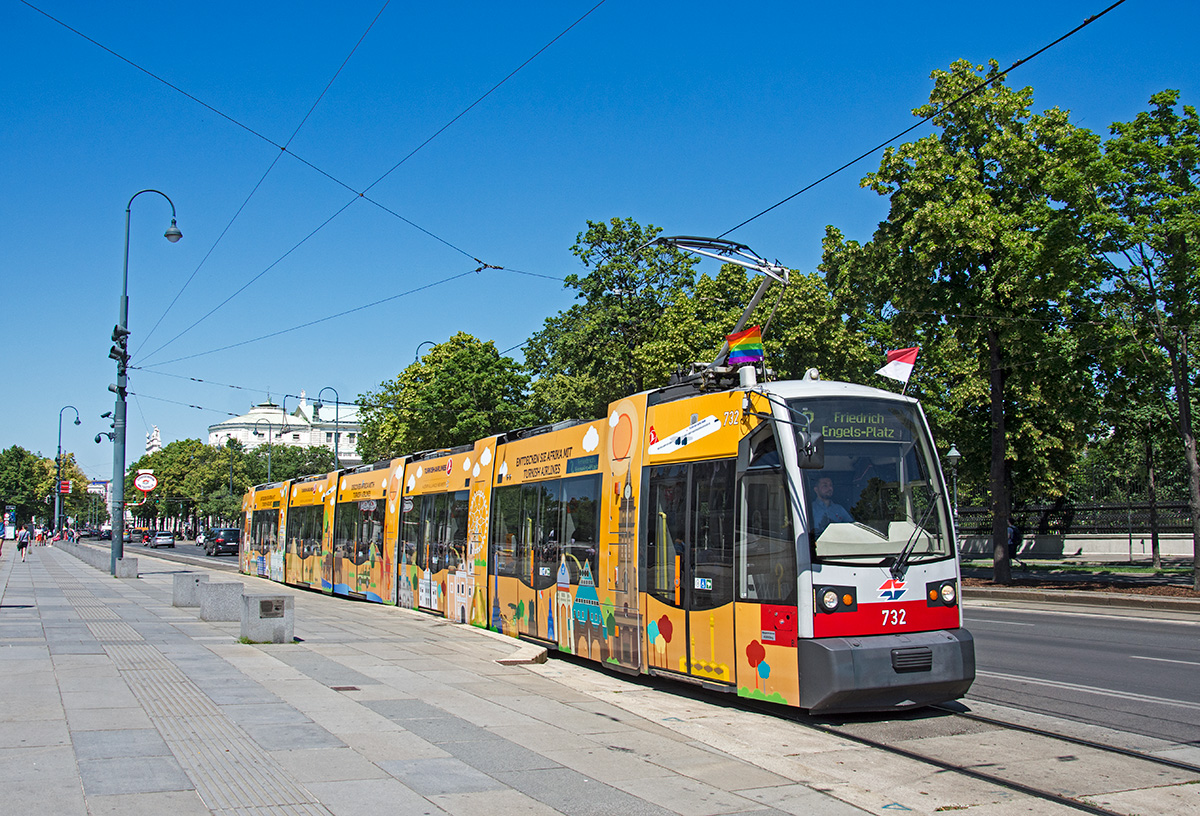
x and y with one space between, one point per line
335 427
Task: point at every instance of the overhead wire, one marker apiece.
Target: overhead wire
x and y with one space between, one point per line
924 119
284 148
274 161
319 320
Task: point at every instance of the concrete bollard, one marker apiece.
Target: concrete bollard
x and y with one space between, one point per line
127 567
220 600
186 591
268 618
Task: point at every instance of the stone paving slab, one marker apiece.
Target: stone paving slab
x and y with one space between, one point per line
377 709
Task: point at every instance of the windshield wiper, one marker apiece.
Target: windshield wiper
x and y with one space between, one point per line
900 565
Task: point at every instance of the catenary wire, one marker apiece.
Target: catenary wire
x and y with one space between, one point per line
480 268
318 320
489 92
284 148
274 161
925 119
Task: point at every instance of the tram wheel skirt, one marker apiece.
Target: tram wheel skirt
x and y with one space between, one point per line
885 672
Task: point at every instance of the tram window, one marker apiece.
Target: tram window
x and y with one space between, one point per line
370 531
264 527
711 554
666 530
766 542
580 520
345 518
506 532
409 523
304 525
457 529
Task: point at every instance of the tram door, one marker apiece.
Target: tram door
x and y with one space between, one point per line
539 512
690 547
456 602
431 550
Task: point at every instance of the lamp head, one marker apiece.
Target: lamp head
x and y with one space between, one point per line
77 422
173 234
953 457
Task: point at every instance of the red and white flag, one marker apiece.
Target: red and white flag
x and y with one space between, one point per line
900 364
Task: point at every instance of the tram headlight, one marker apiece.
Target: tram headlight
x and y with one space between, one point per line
949 593
827 599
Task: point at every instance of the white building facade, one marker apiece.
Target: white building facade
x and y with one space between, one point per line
329 426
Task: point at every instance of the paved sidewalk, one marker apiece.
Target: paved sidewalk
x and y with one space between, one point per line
113 701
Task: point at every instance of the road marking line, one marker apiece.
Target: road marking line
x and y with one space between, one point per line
1124 695
1003 623
1166 660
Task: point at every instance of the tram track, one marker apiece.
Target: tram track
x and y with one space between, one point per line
1176 764
1014 761
1054 785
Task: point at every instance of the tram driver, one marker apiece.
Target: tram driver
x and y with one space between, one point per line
825 510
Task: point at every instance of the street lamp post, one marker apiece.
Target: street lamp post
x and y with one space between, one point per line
58 468
270 430
120 353
953 457
337 431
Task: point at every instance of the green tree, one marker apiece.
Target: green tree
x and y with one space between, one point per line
457 392
289 462
581 359
1151 234
20 476
803 328
982 264
210 480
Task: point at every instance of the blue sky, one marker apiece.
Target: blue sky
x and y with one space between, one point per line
690 116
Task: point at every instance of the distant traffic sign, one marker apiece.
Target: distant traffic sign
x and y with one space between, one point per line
145 482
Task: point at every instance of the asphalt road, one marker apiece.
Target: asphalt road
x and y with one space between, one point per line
1134 674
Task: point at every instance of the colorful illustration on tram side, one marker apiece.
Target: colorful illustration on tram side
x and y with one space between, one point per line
686 534
306 524
265 529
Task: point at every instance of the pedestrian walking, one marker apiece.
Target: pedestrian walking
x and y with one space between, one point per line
23 541
1015 536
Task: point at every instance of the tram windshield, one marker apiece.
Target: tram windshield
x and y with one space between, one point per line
878 494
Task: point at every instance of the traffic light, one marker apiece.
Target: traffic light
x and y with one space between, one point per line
120 351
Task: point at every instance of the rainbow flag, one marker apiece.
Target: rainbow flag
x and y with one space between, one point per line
745 347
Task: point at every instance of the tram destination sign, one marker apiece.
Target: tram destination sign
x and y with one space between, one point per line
859 420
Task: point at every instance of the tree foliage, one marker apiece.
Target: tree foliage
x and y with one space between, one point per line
1149 231
982 264
457 392
803 328
581 360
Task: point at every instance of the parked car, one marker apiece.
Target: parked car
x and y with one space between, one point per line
163 538
222 540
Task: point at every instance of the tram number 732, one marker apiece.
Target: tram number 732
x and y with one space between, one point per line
894 617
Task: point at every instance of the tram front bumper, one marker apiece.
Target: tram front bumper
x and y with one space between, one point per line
882 672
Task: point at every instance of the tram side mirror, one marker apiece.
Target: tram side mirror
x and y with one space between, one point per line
810 450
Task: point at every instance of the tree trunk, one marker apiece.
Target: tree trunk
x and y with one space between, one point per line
1152 496
1178 356
1001 501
